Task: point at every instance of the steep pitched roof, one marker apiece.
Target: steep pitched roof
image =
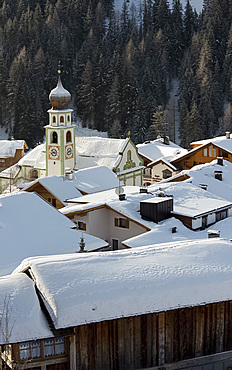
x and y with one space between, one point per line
156 149
22 318
29 226
9 147
81 289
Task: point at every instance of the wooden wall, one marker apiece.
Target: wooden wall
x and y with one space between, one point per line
155 339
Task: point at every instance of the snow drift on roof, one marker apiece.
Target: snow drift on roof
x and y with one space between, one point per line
79 289
22 316
9 147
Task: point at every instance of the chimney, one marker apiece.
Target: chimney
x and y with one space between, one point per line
143 189
166 140
68 174
203 186
227 134
218 175
213 234
220 161
122 196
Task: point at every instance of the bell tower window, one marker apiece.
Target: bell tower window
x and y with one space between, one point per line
54 138
61 119
68 137
54 119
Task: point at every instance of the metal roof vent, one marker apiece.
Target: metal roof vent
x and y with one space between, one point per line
203 186
143 189
213 233
218 175
227 134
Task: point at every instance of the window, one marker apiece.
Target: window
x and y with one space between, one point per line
81 225
167 173
61 119
205 152
129 155
212 151
54 202
41 348
30 350
225 154
68 118
54 119
221 215
121 222
68 137
54 138
53 347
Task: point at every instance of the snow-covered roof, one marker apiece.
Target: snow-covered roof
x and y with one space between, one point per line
22 318
219 140
156 149
191 200
129 207
80 289
59 186
94 179
98 151
204 174
89 180
29 226
188 200
9 147
35 158
10 172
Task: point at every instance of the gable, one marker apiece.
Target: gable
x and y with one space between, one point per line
129 158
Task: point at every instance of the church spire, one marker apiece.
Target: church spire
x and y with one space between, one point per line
59 97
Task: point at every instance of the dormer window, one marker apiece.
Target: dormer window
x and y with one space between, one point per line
68 137
54 138
61 119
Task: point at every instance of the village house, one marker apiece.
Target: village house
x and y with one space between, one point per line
106 216
205 151
29 226
56 189
10 152
166 307
157 155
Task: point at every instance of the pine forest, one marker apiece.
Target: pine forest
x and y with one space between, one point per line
120 67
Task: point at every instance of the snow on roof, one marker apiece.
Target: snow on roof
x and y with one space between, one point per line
93 151
9 147
129 207
156 149
190 200
29 226
22 318
10 172
204 174
80 289
94 179
59 186
35 158
162 233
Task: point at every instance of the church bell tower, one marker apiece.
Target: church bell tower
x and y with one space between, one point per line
60 133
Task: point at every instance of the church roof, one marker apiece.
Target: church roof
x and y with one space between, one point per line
59 96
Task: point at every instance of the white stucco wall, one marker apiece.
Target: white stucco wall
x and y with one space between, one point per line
134 156
229 212
157 170
101 223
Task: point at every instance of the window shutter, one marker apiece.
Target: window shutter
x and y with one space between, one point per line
127 224
116 222
84 226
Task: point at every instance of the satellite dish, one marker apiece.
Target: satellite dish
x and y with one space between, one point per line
119 190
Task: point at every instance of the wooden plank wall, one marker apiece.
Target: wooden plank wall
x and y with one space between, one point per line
155 339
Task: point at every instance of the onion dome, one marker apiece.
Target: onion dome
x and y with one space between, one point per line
59 97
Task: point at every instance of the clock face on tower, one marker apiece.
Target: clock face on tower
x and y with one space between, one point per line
69 151
54 152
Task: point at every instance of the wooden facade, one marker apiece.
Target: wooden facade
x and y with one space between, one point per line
200 155
155 339
45 194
